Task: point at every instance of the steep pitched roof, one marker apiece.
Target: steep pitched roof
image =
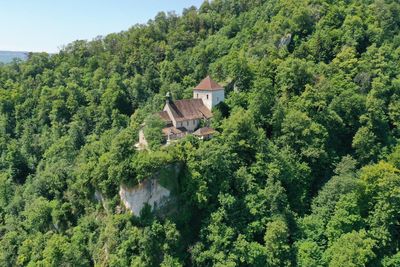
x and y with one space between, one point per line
172 130
204 131
164 116
189 109
208 84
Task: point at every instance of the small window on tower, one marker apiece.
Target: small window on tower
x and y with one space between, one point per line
197 96
217 99
207 96
187 123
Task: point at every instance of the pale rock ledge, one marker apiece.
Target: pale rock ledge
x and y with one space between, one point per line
148 192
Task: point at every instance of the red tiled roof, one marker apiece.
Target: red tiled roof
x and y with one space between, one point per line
208 84
204 131
172 130
189 109
165 118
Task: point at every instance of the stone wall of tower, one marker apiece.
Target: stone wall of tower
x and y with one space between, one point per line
210 97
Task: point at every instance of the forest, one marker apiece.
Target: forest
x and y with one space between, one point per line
305 170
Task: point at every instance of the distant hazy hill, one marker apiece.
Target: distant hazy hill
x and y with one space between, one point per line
8 56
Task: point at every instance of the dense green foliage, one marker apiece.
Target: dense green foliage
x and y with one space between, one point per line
305 170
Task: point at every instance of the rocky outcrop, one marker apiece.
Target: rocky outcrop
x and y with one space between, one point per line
148 192
285 40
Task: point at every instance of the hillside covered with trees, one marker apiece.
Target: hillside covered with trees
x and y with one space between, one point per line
305 170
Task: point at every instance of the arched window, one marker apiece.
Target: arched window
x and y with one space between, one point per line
207 96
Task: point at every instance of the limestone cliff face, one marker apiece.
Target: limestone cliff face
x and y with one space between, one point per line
147 192
155 191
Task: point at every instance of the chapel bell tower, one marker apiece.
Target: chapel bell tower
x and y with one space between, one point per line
210 92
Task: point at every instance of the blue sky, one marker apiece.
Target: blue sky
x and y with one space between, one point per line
46 25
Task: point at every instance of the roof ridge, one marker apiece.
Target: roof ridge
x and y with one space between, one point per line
188 99
208 84
189 109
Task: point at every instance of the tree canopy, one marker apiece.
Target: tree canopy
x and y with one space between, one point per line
305 170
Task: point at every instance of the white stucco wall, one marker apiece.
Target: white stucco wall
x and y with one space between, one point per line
214 97
190 125
167 108
218 96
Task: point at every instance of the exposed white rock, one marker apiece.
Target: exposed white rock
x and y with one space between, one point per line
147 192
285 40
